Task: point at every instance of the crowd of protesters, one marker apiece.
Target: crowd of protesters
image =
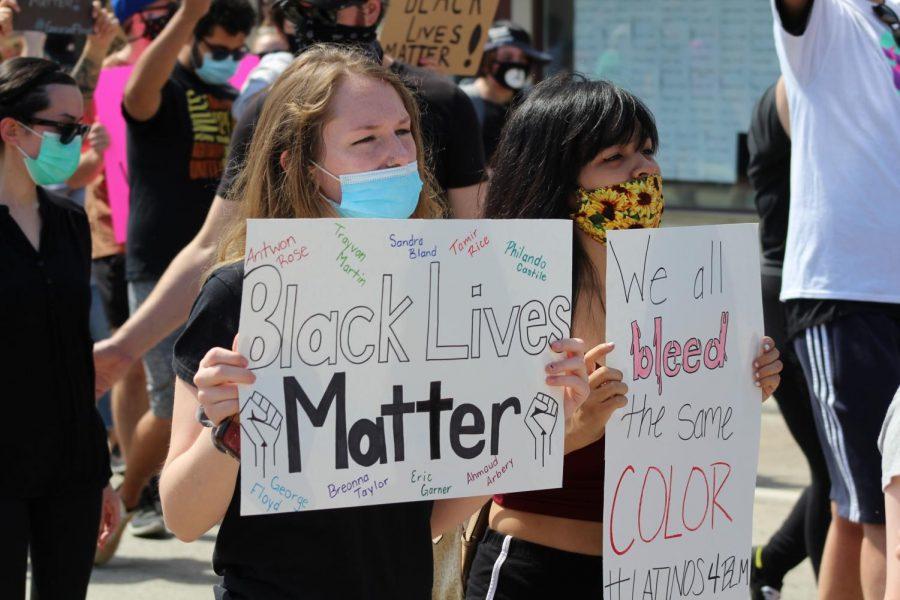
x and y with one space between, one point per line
203 156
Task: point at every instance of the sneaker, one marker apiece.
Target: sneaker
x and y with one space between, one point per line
770 593
116 462
760 587
148 521
103 555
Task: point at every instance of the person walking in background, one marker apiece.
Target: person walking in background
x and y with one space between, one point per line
803 533
506 69
841 278
177 107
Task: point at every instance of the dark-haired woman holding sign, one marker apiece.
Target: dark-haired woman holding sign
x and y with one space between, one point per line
56 462
603 175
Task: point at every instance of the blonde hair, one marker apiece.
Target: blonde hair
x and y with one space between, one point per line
292 120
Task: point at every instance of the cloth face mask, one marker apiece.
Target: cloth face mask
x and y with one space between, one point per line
382 194
635 204
55 162
512 75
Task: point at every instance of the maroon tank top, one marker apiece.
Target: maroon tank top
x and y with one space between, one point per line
581 495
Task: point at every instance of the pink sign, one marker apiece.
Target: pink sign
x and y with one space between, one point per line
108 100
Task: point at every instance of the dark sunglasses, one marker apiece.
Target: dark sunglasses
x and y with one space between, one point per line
221 52
298 11
67 131
887 16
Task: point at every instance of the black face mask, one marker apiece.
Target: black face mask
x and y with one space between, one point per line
511 75
314 26
153 26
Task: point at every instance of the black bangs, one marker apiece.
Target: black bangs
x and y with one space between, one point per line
610 116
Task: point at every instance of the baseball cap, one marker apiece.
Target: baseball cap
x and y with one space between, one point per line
126 8
507 33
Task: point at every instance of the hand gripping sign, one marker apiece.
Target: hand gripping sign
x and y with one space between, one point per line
400 360
685 311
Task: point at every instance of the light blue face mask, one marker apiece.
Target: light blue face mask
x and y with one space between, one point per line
55 162
383 194
216 72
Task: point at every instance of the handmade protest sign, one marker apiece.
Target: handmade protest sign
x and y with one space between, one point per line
400 360
108 98
73 17
684 309
450 34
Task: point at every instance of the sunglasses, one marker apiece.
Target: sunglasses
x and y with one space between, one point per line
887 16
298 11
67 131
221 52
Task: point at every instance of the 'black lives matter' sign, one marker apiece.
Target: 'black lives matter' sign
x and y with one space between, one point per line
56 16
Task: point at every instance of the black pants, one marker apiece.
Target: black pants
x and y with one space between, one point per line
506 568
803 532
60 532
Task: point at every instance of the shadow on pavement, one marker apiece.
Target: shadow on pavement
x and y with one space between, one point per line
126 570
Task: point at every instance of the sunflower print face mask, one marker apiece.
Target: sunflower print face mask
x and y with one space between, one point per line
635 204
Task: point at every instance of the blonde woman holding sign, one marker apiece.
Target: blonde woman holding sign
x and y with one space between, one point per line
332 113
603 175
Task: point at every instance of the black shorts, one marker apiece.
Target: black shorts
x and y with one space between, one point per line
852 365
109 275
506 568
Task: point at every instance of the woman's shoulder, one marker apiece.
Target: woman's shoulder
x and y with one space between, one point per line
60 204
231 274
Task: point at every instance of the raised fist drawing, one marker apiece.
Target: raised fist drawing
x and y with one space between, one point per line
540 418
261 424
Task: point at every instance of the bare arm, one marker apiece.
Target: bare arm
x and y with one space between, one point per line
87 69
450 512
465 203
143 92
89 166
197 481
170 303
892 517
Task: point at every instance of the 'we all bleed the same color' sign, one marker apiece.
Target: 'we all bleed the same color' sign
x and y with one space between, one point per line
400 360
685 312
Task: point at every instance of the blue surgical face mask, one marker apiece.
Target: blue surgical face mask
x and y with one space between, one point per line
383 194
55 162
216 72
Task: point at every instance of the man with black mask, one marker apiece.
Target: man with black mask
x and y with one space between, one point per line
452 137
505 70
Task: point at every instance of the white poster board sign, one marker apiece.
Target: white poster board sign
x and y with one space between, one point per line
685 311
400 360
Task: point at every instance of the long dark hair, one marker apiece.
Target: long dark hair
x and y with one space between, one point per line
563 124
23 86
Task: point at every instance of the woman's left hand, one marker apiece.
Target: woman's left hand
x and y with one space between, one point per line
110 515
767 368
570 373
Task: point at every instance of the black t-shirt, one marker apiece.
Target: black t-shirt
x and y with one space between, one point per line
371 552
495 116
54 440
175 161
449 126
770 174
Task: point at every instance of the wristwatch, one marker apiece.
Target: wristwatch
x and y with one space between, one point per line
226 438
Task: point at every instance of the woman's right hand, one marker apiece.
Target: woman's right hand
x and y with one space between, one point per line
608 394
217 379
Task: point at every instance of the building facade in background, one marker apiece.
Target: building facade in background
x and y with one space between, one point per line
700 65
